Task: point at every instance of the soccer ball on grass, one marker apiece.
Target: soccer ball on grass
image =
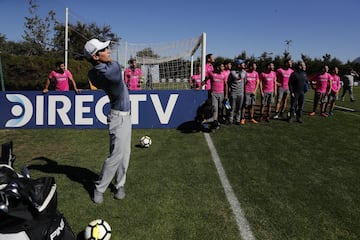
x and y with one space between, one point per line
145 141
98 229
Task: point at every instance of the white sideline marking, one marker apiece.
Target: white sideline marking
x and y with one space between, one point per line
336 106
345 108
241 221
349 110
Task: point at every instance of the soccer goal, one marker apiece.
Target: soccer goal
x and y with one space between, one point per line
165 65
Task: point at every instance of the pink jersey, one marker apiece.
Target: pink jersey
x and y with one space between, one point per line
322 82
218 81
283 76
226 74
209 68
61 79
335 83
196 81
268 80
133 78
251 81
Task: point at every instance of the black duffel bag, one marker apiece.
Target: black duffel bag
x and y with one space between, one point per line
28 208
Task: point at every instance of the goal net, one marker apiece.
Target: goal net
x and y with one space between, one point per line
164 65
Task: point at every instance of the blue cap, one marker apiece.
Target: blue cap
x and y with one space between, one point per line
239 61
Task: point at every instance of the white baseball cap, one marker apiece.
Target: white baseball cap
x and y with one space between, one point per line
93 46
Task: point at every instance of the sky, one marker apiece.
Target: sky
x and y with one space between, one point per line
314 27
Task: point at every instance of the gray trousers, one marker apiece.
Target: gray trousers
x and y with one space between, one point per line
348 89
217 102
116 164
236 102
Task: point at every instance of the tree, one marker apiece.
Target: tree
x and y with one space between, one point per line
286 56
37 30
78 35
147 53
326 58
18 48
14 48
242 56
2 41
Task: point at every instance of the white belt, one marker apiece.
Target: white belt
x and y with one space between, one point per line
120 113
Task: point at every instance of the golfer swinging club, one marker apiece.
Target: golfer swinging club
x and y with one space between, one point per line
106 74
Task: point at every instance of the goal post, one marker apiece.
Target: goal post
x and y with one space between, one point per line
165 65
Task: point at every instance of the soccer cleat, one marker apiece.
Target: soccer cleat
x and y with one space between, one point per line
253 121
120 193
331 113
261 118
312 114
267 119
242 122
98 197
324 114
276 116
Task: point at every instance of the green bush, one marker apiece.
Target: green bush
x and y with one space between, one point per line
30 73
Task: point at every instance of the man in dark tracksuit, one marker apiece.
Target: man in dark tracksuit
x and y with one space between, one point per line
298 85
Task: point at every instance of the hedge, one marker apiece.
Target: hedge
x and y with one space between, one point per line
31 73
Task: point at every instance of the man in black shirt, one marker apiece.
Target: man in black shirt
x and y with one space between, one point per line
298 86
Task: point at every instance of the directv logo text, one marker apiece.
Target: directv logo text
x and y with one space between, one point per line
59 106
149 109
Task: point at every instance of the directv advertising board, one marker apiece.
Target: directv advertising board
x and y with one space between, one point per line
149 109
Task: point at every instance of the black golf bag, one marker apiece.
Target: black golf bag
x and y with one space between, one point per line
28 207
204 116
204 111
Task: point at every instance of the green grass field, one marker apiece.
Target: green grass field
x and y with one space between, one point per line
293 181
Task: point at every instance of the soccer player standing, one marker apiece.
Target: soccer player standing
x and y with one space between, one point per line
219 91
268 90
195 80
236 83
209 68
251 86
227 68
348 80
133 76
61 77
335 89
282 78
322 90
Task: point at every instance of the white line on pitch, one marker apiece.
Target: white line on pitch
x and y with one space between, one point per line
241 221
345 108
349 111
336 106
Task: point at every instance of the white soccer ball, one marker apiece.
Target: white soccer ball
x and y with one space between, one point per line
145 141
97 229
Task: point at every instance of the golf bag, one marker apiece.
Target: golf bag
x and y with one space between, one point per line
28 207
204 111
204 116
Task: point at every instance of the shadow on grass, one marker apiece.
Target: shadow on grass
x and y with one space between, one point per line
77 174
80 235
192 127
